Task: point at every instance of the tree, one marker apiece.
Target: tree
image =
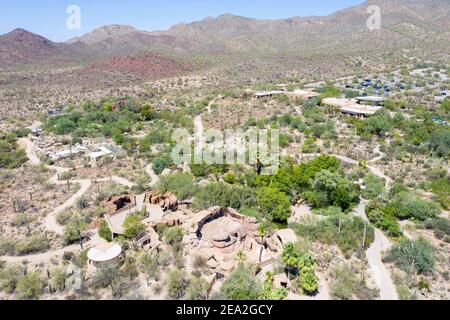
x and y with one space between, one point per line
30 286
174 237
149 266
161 163
241 285
133 226
309 282
274 204
378 125
331 189
290 257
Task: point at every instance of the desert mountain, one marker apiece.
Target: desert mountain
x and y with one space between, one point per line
405 24
20 46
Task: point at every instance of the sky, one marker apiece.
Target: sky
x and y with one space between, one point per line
49 17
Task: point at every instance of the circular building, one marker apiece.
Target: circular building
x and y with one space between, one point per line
105 255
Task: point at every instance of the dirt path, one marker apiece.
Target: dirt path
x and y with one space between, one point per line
378 271
154 178
29 149
50 222
47 256
381 243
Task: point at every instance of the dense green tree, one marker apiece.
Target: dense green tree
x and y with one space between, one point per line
274 204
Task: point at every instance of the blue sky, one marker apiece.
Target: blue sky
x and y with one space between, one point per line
48 17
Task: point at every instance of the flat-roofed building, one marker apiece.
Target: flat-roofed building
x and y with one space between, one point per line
337 102
360 110
302 94
267 94
370 100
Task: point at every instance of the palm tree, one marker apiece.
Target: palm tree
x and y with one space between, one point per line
262 233
290 257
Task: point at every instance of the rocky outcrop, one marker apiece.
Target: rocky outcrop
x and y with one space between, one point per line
118 202
167 201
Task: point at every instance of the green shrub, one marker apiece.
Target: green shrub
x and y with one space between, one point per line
374 186
241 285
29 286
8 278
181 184
34 244
105 232
11 156
133 226
73 231
415 256
348 233
440 226
176 284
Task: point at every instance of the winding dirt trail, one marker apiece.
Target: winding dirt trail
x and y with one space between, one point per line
381 243
374 254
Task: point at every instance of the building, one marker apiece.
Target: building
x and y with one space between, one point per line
267 94
75 150
99 153
360 110
302 94
354 107
370 100
54 112
337 102
105 255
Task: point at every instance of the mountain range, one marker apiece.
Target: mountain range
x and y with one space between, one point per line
405 24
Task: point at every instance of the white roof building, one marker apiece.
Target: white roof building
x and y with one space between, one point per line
104 252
